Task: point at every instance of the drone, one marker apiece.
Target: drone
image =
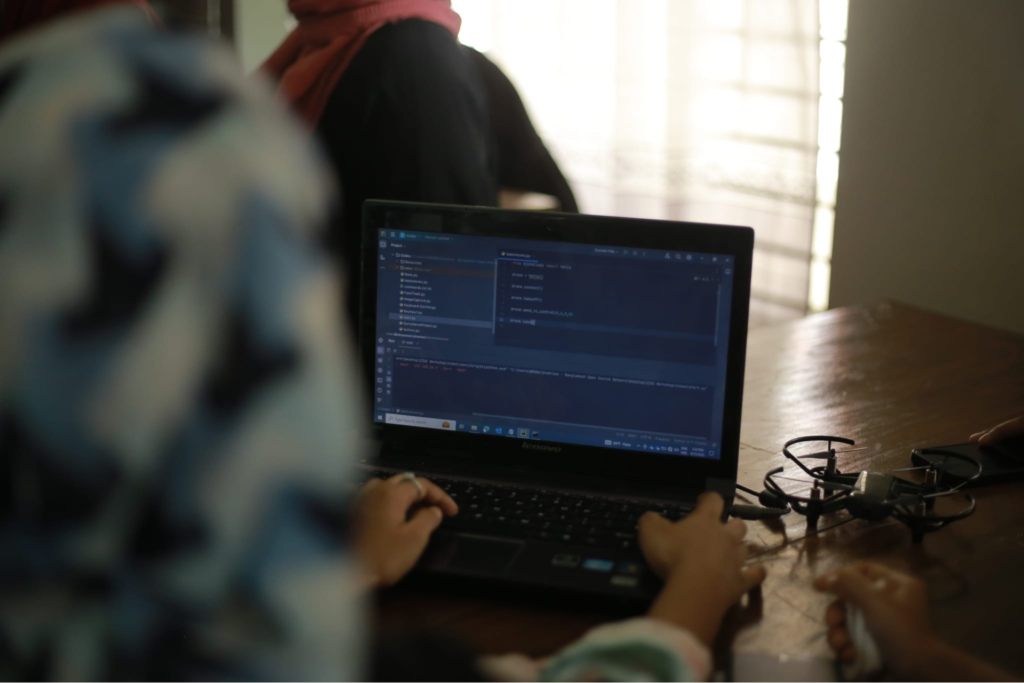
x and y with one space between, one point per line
874 496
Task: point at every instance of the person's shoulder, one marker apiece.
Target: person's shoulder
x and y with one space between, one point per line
413 44
411 34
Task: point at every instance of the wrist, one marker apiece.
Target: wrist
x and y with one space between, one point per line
698 611
924 658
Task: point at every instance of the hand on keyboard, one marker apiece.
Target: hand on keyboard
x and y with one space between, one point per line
524 512
702 563
393 522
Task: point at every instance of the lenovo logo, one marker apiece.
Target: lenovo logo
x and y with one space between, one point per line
538 447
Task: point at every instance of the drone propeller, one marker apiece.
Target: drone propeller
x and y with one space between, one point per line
828 486
802 481
823 455
910 501
940 494
827 455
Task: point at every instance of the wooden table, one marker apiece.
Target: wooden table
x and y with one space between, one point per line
891 377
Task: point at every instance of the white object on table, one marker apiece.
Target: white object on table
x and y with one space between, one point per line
869 660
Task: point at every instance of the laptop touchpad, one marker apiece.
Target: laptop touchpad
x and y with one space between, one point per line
483 555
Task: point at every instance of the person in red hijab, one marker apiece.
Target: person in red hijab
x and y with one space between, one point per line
397 103
330 33
17 16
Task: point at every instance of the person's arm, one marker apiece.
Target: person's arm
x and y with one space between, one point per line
895 609
700 586
703 564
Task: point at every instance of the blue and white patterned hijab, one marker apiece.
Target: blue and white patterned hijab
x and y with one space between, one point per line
176 399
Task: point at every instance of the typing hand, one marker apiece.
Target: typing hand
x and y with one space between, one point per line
701 561
388 541
1011 429
895 610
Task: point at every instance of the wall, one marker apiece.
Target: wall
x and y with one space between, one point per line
259 29
931 183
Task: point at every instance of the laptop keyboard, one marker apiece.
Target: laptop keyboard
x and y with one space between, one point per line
524 512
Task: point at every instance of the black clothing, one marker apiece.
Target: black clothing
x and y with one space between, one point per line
408 120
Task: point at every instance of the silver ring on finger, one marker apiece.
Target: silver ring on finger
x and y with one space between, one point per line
411 478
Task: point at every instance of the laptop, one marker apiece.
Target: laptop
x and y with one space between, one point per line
559 375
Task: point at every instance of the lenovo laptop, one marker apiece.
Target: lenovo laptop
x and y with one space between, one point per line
558 375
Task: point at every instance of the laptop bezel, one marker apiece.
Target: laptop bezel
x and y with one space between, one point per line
596 462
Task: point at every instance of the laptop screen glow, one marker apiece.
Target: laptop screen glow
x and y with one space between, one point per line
595 345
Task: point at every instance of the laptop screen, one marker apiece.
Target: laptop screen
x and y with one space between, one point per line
605 346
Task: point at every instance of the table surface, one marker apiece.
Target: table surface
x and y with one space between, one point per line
891 377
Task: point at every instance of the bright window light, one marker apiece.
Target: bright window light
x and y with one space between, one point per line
821 276
831 79
833 14
476 23
832 52
832 75
824 226
830 124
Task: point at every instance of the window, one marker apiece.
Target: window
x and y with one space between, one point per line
722 111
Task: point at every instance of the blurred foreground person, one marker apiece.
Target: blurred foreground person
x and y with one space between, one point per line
174 405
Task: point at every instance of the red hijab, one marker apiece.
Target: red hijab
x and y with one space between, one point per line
314 57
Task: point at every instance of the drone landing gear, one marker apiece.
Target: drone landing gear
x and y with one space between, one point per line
814 509
931 483
919 524
918 527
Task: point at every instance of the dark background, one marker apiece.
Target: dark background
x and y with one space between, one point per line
213 17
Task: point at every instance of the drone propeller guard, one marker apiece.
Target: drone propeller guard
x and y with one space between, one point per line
874 495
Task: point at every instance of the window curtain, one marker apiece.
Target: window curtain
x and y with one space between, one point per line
693 110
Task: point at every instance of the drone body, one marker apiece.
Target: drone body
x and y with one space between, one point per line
871 495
